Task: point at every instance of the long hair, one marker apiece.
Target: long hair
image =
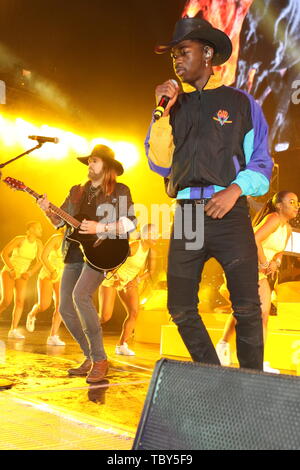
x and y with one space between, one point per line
109 179
269 207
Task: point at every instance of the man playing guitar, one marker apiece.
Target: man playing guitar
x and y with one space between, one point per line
81 279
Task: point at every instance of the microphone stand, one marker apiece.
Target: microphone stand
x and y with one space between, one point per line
2 165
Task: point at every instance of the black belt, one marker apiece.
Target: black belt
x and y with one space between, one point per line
203 200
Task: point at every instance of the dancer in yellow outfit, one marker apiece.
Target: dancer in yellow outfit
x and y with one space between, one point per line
272 232
126 282
18 256
48 285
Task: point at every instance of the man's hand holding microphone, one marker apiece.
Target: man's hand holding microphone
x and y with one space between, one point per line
166 95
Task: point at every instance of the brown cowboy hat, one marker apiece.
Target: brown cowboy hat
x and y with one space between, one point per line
107 155
197 28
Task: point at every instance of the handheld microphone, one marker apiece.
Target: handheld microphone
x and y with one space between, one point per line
162 104
42 139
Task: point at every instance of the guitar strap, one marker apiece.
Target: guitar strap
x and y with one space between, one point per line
114 201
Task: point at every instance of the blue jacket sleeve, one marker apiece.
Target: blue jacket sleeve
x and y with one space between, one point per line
254 180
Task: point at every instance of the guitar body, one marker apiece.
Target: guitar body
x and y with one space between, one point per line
104 254
101 254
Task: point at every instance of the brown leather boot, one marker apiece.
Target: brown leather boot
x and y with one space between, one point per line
98 371
82 370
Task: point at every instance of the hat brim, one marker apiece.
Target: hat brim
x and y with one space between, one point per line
117 166
219 40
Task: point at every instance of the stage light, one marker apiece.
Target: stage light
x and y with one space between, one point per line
8 133
100 140
281 147
191 9
50 151
23 130
26 73
125 152
78 144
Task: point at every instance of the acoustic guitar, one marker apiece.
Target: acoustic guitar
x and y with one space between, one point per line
101 254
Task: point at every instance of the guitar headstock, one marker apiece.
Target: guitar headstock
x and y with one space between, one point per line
14 184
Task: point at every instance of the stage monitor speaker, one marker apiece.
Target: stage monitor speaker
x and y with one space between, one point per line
191 406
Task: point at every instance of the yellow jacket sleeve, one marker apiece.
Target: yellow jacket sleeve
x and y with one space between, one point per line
159 146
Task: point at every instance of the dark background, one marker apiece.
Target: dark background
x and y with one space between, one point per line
99 54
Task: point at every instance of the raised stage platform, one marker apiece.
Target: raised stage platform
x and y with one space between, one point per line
282 347
283 341
47 409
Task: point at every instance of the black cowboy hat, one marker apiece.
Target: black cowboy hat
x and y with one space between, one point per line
107 155
197 28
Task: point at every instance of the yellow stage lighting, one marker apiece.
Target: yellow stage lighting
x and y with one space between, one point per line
76 143
192 8
125 152
16 131
8 133
100 140
23 130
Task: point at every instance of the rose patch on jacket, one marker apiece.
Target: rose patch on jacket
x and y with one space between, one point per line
222 117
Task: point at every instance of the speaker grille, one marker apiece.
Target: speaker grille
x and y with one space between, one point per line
192 406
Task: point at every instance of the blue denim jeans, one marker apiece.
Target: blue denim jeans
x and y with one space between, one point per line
78 311
231 241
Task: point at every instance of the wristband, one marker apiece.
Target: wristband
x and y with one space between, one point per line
100 229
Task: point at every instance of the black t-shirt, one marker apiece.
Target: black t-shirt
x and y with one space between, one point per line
88 210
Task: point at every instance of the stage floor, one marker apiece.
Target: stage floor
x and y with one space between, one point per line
47 409
45 406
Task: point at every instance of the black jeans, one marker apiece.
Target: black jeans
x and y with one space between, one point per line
231 241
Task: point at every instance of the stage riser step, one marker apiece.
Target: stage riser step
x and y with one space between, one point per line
149 323
282 348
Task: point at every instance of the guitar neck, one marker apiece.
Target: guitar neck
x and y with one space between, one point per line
57 210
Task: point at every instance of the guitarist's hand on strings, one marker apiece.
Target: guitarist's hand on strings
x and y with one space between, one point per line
92 227
89 227
44 203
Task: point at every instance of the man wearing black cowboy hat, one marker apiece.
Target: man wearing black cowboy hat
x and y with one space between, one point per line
211 147
79 280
